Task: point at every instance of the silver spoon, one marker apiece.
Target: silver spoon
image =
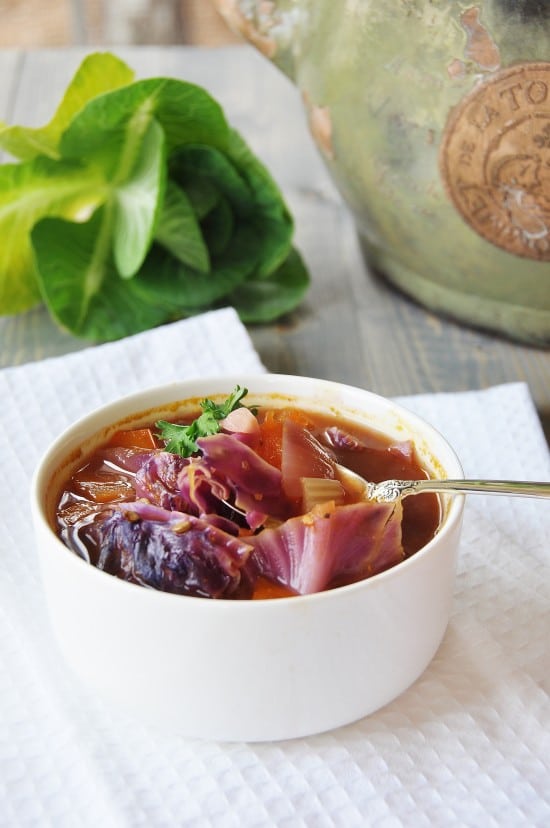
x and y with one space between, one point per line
388 491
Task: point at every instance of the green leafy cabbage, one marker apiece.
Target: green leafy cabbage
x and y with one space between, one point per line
137 204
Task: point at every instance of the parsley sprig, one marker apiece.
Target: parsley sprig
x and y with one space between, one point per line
182 439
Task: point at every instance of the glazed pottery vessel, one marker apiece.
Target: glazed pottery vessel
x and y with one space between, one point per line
433 117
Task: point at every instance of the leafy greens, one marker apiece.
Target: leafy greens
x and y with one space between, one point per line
181 439
138 204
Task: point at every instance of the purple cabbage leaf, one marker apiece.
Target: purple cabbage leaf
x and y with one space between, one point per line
157 480
254 483
171 551
315 551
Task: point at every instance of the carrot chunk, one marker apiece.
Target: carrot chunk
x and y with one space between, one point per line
271 432
271 441
264 588
135 438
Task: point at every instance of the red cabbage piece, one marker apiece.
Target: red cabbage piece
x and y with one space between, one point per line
157 480
302 456
171 551
314 551
203 488
337 438
254 483
403 448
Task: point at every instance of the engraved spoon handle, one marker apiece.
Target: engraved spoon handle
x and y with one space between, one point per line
391 490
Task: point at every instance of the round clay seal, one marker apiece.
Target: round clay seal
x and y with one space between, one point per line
495 159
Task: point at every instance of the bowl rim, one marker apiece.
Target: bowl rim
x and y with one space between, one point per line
137 401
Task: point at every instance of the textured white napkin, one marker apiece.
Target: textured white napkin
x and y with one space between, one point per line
467 745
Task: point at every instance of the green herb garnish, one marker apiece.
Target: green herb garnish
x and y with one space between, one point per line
181 439
138 204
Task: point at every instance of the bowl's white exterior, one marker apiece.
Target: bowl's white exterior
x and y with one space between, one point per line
251 670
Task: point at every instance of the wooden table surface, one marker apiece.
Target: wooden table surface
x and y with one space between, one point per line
352 327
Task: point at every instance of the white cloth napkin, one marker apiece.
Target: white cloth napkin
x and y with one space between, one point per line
467 745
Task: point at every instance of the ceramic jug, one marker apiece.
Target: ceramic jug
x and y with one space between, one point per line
433 117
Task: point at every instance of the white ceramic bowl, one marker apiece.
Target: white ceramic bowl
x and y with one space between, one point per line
249 670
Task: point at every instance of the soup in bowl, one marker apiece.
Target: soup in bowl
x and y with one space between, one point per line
209 569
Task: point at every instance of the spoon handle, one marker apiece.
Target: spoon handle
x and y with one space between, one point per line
390 490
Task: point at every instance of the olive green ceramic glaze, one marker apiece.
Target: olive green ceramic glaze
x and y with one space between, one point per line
434 121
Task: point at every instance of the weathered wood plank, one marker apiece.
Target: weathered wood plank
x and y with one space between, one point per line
9 65
42 77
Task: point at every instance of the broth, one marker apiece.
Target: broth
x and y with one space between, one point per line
108 480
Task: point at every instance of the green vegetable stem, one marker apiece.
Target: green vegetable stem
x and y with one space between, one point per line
138 204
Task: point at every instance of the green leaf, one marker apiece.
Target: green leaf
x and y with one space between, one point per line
256 300
137 203
98 73
218 228
181 439
255 200
179 232
263 300
219 411
269 215
170 212
203 196
73 260
199 166
187 114
80 283
28 192
182 290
